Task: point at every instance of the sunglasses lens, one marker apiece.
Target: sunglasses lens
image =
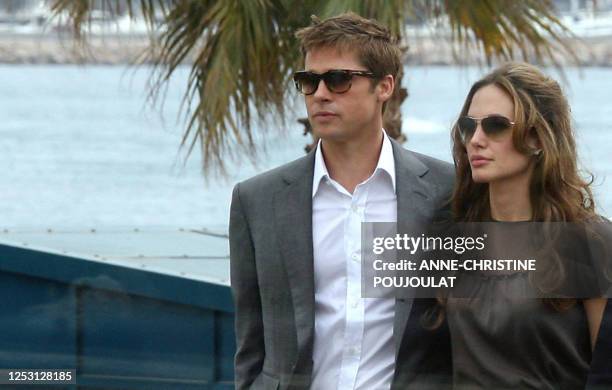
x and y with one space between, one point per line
306 82
337 81
495 124
492 125
467 127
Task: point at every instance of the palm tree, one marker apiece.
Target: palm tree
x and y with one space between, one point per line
243 53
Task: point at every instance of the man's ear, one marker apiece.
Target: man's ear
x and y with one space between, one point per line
385 87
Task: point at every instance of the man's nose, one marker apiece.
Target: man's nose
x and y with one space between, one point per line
322 92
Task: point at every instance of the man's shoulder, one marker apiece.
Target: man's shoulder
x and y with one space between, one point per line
437 177
423 164
269 181
437 167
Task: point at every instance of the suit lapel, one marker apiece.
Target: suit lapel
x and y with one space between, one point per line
293 218
413 207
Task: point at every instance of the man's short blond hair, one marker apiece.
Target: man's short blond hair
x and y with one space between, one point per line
374 45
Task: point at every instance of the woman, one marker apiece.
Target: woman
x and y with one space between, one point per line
515 159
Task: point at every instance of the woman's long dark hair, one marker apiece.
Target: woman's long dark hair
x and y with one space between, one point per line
557 191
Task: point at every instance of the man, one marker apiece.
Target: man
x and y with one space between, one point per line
295 231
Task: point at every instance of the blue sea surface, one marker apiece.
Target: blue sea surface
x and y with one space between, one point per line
81 149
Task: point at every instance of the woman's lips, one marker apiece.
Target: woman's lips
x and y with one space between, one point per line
479 161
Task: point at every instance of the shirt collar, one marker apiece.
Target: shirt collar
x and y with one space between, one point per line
386 163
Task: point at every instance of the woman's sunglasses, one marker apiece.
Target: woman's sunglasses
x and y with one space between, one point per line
336 80
492 125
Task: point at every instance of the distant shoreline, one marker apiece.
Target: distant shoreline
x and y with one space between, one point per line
52 48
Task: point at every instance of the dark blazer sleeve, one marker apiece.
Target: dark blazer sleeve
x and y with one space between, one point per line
250 352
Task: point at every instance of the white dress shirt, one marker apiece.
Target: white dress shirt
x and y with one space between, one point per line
353 341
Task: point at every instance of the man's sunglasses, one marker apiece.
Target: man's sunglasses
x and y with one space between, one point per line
336 80
492 125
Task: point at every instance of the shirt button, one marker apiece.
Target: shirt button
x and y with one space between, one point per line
355 257
355 209
355 303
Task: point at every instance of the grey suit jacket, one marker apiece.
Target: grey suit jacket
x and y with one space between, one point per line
273 283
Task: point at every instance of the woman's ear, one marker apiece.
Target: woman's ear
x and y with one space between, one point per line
533 141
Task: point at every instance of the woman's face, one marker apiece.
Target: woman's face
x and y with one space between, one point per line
493 158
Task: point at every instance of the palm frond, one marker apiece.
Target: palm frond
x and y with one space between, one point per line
242 53
501 28
79 11
239 75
